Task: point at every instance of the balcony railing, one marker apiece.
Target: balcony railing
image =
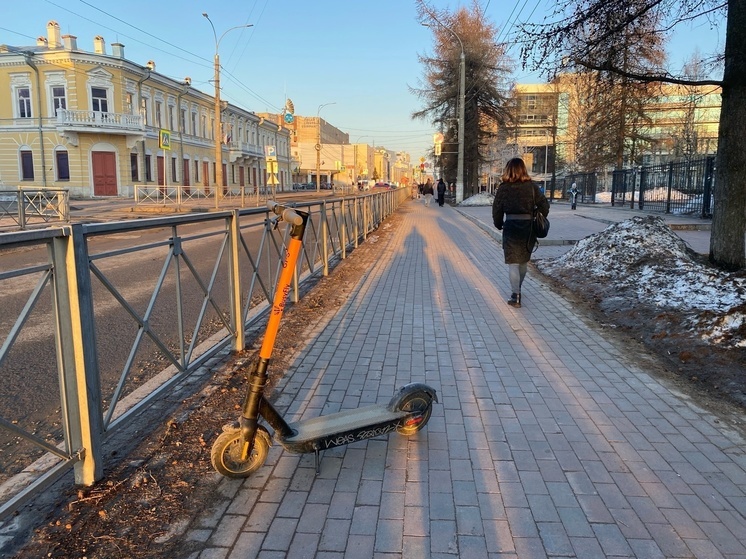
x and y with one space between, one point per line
81 120
244 149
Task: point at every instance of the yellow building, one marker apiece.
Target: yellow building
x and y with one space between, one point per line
94 123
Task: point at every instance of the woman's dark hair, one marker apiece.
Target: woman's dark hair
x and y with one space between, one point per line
515 171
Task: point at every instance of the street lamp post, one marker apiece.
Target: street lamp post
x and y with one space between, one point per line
461 118
218 116
318 145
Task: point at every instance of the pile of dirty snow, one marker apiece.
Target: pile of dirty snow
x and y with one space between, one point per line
643 258
481 199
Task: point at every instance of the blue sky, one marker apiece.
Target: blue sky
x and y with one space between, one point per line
360 55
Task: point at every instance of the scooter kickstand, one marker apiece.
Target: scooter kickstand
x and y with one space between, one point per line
318 460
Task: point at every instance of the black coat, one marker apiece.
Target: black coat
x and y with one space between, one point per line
517 198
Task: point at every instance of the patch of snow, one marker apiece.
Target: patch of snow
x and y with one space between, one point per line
643 257
481 199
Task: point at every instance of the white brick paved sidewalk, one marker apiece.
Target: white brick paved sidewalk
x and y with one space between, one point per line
547 442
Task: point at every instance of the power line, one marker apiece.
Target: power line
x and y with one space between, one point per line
118 32
138 29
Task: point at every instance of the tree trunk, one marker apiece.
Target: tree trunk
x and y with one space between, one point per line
727 241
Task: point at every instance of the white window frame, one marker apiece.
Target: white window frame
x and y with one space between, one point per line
100 79
54 80
17 83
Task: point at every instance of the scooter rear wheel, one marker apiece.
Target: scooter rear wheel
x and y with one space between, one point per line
421 405
226 453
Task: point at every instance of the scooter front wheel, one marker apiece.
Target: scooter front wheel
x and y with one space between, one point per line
226 453
420 405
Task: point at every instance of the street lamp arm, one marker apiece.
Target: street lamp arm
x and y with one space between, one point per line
231 29
214 34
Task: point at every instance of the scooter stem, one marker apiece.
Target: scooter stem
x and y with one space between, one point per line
281 293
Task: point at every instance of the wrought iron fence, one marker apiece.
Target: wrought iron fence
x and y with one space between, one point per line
679 187
100 319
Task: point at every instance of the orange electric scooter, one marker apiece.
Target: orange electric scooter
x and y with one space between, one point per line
242 447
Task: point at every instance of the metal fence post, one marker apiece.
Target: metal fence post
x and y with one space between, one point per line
643 180
324 238
76 354
707 191
356 219
234 281
343 229
669 188
21 210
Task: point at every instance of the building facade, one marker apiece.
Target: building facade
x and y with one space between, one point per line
98 124
680 121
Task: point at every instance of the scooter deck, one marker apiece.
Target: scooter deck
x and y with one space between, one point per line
327 431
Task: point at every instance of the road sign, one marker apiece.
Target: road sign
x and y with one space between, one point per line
270 152
164 139
438 138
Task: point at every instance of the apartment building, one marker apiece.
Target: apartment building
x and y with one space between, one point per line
680 121
98 124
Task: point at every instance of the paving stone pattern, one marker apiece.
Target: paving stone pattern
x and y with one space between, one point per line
541 446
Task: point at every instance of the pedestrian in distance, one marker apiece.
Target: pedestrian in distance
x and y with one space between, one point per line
573 196
516 199
441 192
427 191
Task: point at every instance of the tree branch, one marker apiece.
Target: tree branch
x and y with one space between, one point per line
645 78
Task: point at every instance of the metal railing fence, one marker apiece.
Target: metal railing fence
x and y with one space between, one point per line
30 206
101 319
679 187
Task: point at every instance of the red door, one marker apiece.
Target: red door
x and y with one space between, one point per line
160 171
185 178
104 164
241 176
206 176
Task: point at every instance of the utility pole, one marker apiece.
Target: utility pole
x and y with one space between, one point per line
318 145
218 116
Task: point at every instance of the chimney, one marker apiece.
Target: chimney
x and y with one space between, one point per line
53 35
41 41
70 42
117 50
99 45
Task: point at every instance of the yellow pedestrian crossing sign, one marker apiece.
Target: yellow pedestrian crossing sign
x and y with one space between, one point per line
164 139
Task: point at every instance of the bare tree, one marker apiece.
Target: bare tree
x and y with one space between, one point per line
487 71
565 39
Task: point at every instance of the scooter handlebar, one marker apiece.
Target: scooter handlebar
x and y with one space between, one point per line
286 214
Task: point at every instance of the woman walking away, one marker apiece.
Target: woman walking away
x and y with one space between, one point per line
513 209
